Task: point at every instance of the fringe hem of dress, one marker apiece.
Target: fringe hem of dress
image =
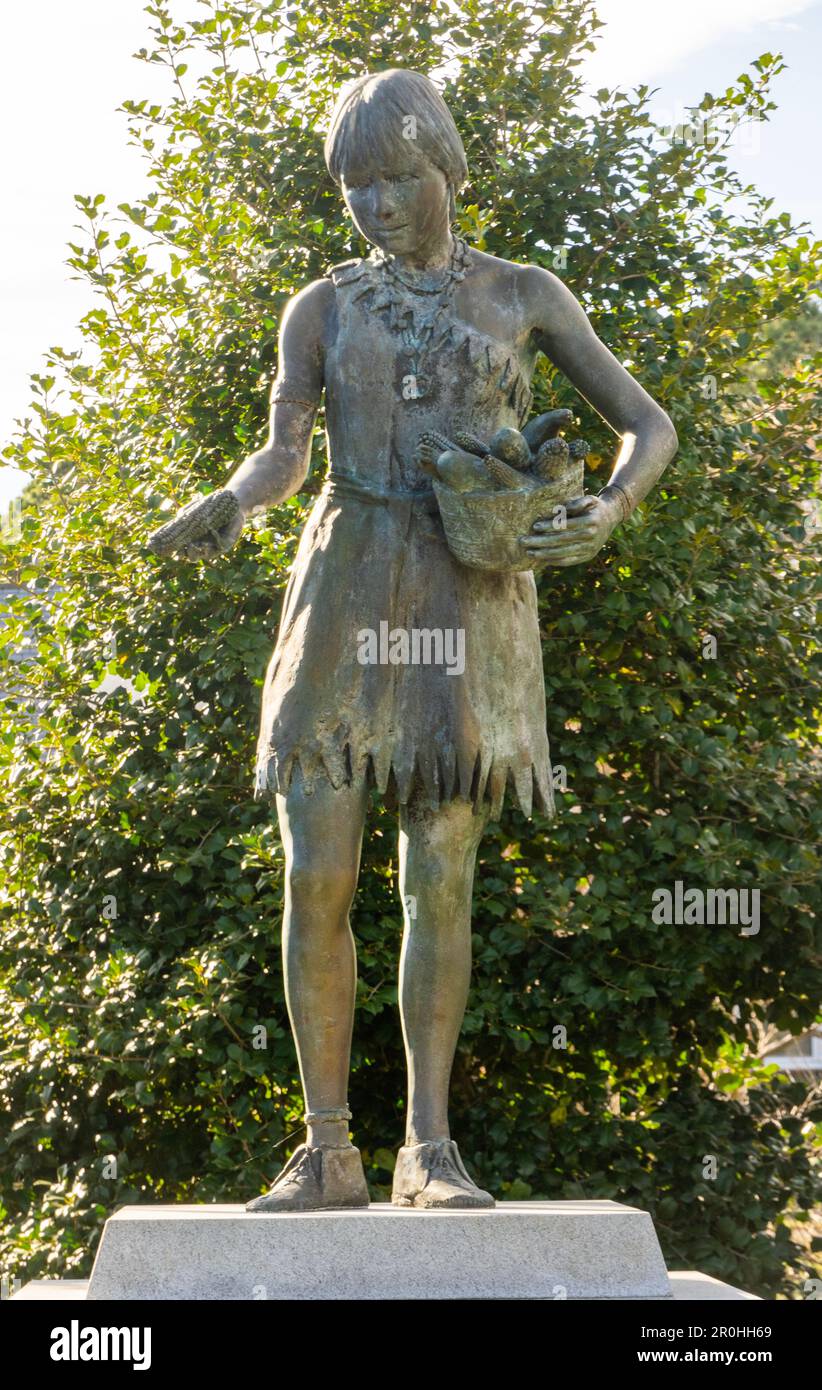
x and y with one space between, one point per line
435 779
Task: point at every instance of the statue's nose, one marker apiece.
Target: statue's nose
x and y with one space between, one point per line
384 202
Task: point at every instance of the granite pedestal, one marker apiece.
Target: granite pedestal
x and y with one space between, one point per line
519 1250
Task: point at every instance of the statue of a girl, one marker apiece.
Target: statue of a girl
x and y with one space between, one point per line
423 335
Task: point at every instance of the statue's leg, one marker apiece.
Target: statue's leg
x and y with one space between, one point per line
438 851
322 836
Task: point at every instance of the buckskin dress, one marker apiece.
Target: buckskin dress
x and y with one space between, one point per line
373 551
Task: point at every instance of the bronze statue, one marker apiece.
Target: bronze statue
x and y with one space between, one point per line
422 340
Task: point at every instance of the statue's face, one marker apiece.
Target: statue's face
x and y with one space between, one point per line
403 208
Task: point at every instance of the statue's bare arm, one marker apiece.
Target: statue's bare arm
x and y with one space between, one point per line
648 440
210 525
278 470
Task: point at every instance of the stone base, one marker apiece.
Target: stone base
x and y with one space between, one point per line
520 1250
517 1250
689 1286
686 1285
52 1291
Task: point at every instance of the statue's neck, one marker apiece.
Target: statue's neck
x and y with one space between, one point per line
432 257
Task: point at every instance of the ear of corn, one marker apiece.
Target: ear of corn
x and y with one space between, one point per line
509 461
504 475
197 518
429 447
471 443
434 440
552 456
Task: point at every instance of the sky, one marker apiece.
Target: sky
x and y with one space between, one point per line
66 67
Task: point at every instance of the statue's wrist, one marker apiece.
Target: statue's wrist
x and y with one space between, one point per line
617 501
244 503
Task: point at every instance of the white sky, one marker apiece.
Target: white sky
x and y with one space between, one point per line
66 65
647 36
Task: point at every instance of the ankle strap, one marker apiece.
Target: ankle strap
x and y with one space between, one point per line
319 1117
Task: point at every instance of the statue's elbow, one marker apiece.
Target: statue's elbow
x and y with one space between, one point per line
671 437
667 439
283 470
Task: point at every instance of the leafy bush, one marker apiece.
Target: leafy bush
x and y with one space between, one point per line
143 1017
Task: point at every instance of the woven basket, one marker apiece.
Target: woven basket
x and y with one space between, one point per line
483 528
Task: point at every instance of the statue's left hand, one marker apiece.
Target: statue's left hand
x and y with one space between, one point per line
589 522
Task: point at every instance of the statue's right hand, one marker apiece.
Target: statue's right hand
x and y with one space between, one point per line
203 529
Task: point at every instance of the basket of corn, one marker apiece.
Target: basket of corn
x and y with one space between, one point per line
490 495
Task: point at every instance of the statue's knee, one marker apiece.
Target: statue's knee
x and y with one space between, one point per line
436 878
438 900
316 884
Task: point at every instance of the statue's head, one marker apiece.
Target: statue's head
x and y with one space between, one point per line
393 148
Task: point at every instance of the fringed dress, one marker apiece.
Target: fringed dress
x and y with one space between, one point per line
373 559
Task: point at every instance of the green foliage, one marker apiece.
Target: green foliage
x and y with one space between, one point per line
792 340
142 884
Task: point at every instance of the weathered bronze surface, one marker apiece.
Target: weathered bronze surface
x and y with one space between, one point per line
397 665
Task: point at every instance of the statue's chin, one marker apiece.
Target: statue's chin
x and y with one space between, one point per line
397 243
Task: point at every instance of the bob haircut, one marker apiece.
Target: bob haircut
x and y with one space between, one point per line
372 119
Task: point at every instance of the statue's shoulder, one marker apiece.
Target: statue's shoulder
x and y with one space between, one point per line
346 272
502 270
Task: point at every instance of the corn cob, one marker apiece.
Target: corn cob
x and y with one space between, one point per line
470 443
578 448
203 516
552 456
429 447
504 475
435 440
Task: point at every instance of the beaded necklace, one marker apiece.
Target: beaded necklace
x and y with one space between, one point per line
421 326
